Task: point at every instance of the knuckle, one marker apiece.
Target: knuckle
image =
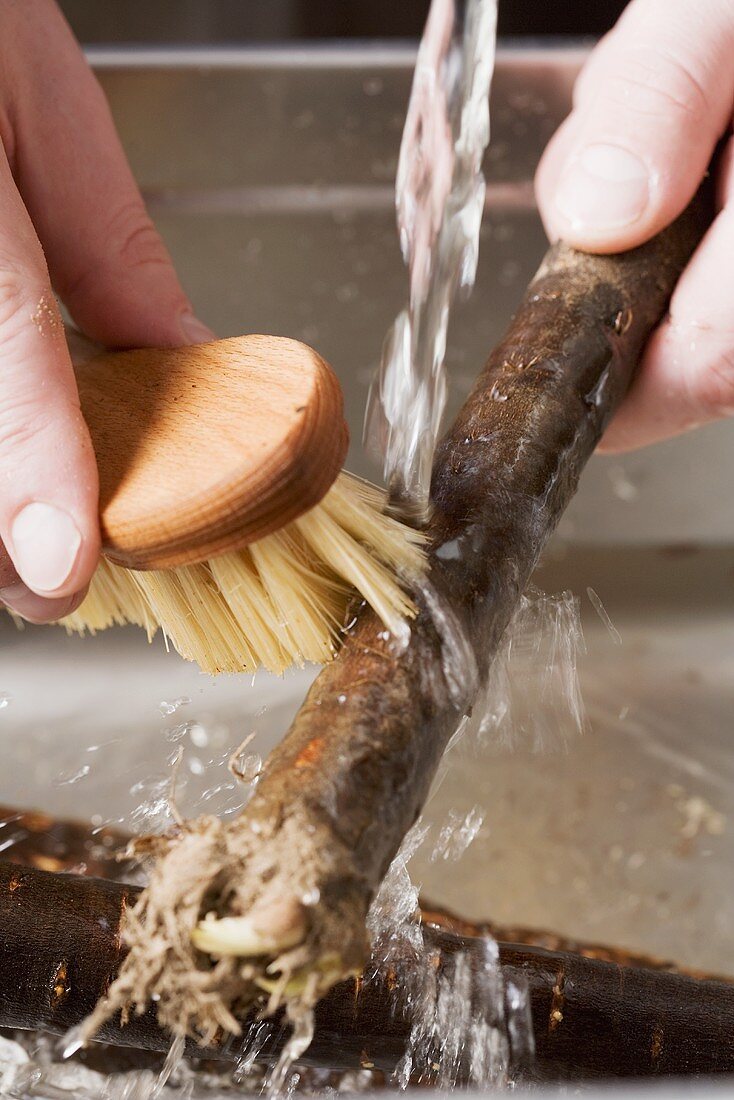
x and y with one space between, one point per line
29 402
654 82
714 388
23 420
28 308
135 238
132 243
16 297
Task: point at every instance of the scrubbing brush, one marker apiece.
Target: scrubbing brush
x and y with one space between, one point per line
226 519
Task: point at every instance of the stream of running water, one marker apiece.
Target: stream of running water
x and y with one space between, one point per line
440 192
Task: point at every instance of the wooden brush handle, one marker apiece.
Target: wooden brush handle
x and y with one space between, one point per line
204 449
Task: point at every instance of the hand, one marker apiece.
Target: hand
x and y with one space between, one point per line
71 217
650 105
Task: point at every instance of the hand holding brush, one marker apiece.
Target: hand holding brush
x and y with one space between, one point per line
72 221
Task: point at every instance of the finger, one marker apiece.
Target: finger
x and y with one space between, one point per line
48 476
19 599
649 110
106 259
686 377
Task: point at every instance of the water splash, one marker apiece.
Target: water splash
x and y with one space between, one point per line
467 1023
278 1083
259 1035
177 733
391 921
458 663
464 1034
440 199
474 1024
537 662
595 601
458 832
173 1060
153 812
170 708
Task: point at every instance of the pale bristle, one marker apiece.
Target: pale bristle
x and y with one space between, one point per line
279 602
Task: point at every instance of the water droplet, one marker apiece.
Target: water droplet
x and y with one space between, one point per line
177 733
4 700
198 735
175 757
67 778
247 767
171 708
196 766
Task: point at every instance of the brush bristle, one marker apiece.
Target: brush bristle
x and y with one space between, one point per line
279 602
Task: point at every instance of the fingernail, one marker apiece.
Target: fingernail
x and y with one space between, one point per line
604 187
195 331
45 543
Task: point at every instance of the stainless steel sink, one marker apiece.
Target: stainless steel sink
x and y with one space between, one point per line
270 172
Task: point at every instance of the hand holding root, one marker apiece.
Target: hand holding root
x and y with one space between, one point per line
653 100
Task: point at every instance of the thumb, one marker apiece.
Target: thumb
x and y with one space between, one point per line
48 477
653 100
